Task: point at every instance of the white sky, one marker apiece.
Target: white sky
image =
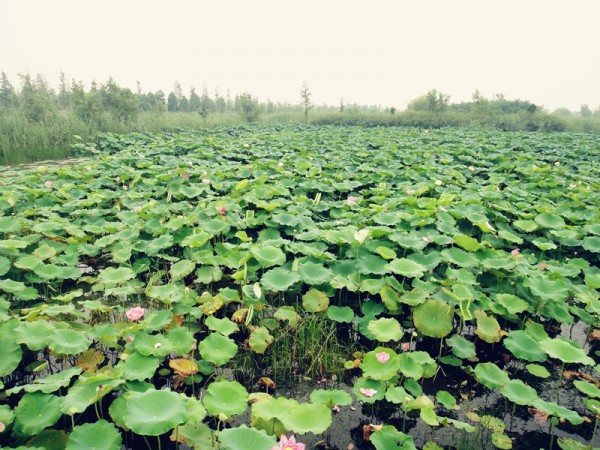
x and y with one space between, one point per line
383 52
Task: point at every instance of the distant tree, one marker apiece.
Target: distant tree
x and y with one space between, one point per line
305 95
341 104
183 104
562 112
248 107
87 106
172 103
585 111
206 101
120 102
433 101
194 102
8 96
220 103
37 102
63 91
392 110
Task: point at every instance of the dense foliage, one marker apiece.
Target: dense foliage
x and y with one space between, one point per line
137 285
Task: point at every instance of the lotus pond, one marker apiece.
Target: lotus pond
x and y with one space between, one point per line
352 287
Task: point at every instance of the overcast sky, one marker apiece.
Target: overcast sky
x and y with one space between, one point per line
383 52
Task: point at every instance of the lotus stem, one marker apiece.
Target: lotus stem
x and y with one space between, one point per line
560 378
147 443
159 444
594 430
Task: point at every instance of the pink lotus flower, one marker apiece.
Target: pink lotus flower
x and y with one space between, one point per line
515 252
367 392
288 444
125 187
49 183
471 168
137 208
351 200
382 357
222 211
2 427
205 181
185 175
135 313
406 346
410 191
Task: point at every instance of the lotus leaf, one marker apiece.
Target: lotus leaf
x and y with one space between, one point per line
554 409
368 390
386 329
434 318
314 273
140 367
523 346
490 375
259 340
587 388
49 440
315 301
552 221
117 275
244 438
289 314
397 394
406 268
343 314
308 418
152 344
467 242
268 256
501 441
565 350
100 435
223 326
87 391
182 339
537 370
517 392
429 416
488 327
380 364
279 279
461 347
48 384
446 399
35 412
389 437
182 269
217 349
68 342
592 244
11 355
512 303
331 397
34 334
459 257
153 413
226 399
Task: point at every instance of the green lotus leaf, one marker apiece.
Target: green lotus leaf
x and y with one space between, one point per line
68 342
488 327
226 399
215 226
157 320
271 408
592 243
116 275
45 251
446 399
390 298
208 274
512 303
399 396
389 437
373 367
13 244
153 247
592 405
279 279
517 392
461 347
4 265
386 329
152 344
244 438
368 264
10 224
197 433
343 314
466 242
510 237
289 314
140 367
259 340
196 239
217 349
35 412
571 444
11 355
49 440
587 388
544 244
552 221
224 326
556 410
545 288
490 375
286 219
526 225
28 262
565 350
49 384
7 416
415 297
406 268
372 285
434 318
523 346
153 413
182 269
501 441
417 365
459 257
385 252
331 397
268 256
100 435
314 273
308 418
315 301
368 390
537 370
429 416
182 339
87 391
11 286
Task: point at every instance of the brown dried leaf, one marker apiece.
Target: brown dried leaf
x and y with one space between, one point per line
540 417
184 367
267 383
90 360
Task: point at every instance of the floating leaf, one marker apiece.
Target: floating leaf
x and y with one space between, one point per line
434 318
406 267
517 392
244 438
268 256
100 435
566 351
386 329
488 327
153 413
279 279
490 375
226 398
308 417
182 269
315 301
260 339
217 349
36 411
523 346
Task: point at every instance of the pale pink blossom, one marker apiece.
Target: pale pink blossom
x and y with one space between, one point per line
557 163
125 187
410 191
382 357
137 208
205 181
438 182
130 338
135 313
351 200
49 183
406 346
471 168
2 427
117 179
222 211
336 409
367 392
288 444
515 252
185 175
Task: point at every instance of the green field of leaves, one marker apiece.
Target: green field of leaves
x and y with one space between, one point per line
139 286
